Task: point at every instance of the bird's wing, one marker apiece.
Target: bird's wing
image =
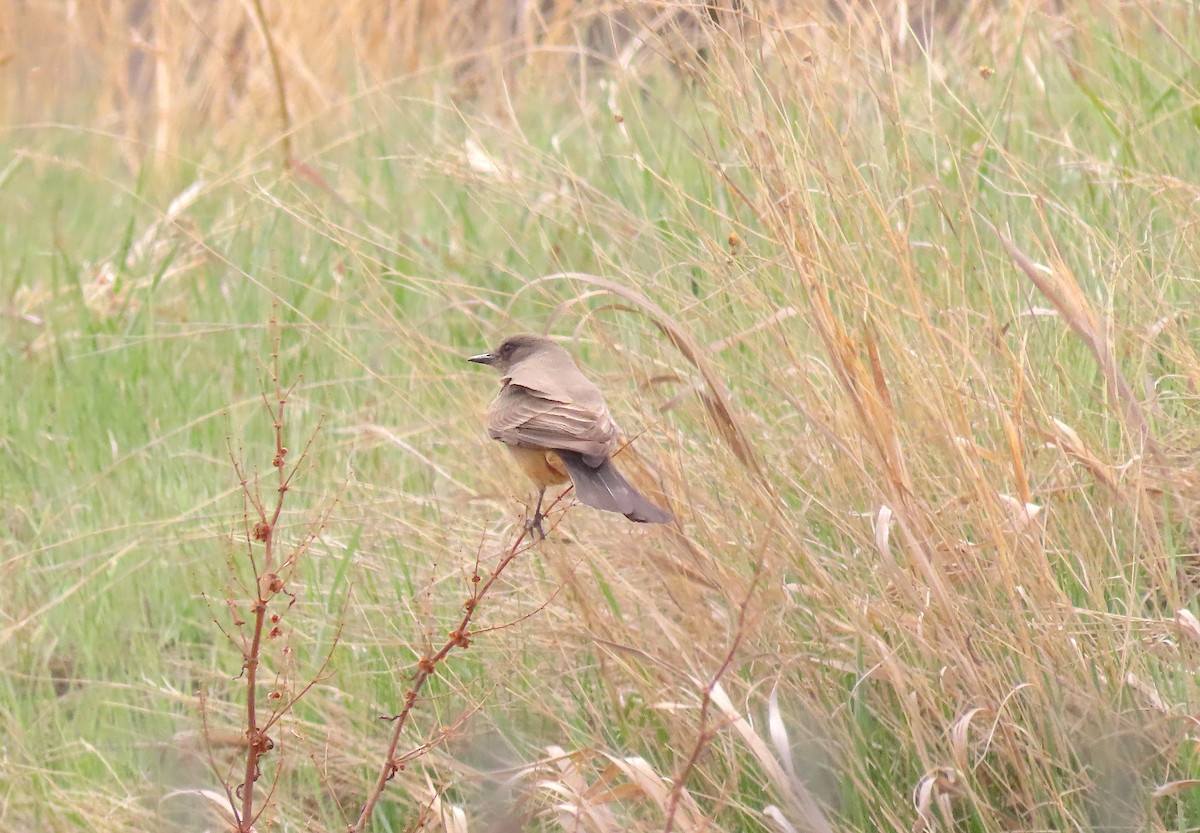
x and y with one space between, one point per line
525 417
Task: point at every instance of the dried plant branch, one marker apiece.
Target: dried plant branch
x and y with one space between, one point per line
267 584
459 637
270 573
285 116
707 732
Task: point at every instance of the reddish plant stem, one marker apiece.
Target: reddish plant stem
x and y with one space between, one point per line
266 586
254 745
426 666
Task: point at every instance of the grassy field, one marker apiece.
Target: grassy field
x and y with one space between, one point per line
903 328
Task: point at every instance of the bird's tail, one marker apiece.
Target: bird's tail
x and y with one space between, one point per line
604 487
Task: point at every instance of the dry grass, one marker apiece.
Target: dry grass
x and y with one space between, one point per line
156 72
898 318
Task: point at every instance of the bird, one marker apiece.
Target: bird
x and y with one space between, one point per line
555 424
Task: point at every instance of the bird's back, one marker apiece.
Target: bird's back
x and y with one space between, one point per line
547 402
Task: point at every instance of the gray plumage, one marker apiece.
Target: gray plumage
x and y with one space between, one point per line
547 405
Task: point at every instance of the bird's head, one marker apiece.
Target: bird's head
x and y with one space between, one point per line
513 350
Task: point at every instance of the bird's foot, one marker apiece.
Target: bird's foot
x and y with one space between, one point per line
534 525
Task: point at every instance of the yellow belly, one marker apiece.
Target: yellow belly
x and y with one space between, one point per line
542 467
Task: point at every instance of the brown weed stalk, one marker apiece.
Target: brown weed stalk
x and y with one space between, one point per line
459 637
271 572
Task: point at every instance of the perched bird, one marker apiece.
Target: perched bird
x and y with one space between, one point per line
556 425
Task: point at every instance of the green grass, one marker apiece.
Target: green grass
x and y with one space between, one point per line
136 359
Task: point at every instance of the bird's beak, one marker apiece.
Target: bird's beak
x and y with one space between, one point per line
483 358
